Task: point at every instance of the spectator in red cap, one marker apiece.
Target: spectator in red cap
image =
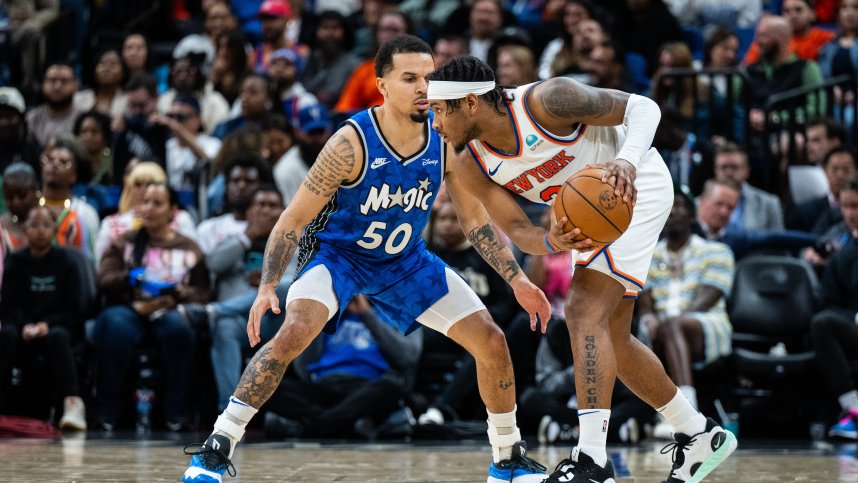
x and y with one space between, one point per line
274 16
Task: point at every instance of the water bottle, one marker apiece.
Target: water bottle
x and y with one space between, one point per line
144 397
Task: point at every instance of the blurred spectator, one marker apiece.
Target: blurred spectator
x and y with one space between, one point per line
820 214
138 177
683 307
143 275
449 46
28 20
806 40
187 80
244 173
823 135
360 372
189 150
15 143
135 55
57 114
756 209
686 94
360 91
218 20
778 69
289 169
835 328
840 56
365 23
92 130
516 66
720 50
644 26
688 156
607 68
329 64
106 95
139 136
705 13
274 16
230 65
236 263
250 140
485 21
551 272
64 162
285 68
21 193
560 54
256 99
839 235
42 313
314 130
430 15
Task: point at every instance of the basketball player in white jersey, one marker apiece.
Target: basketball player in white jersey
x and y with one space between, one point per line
528 141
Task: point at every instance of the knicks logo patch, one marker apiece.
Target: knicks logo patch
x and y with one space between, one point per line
607 200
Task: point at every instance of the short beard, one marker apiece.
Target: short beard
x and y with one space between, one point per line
61 104
419 117
472 133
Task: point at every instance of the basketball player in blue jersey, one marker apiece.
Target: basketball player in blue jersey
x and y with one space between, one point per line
357 221
528 141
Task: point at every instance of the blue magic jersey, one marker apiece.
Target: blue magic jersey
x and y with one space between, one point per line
380 216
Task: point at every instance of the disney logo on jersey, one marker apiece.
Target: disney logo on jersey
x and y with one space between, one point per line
429 162
541 173
382 198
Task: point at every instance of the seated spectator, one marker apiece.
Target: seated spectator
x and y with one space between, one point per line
143 276
21 193
285 68
838 57
835 328
135 55
449 46
560 54
644 26
92 130
607 68
806 40
686 94
27 23
218 19
249 140
485 19
839 235
695 13
189 150
106 95
329 64
230 65
683 307
139 136
15 143
720 51
516 66
236 263
138 178
285 156
63 163
41 312
256 100
756 209
819 215
778 69
688 157
314 129
361 91
57 114
187 80
359 372
823 135
274 16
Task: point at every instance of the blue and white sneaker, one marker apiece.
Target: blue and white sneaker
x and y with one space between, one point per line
847 427
210 461
518 469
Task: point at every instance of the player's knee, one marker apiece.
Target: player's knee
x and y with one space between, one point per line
293 336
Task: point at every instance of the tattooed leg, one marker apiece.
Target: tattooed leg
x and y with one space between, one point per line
480 336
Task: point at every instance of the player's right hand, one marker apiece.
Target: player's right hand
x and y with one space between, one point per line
265 299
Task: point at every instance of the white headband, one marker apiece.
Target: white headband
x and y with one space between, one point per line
443 90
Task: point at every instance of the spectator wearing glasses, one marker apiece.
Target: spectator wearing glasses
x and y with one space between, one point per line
57 114
140 137
189 149
187 80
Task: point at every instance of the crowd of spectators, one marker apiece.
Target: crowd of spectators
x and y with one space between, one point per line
146 150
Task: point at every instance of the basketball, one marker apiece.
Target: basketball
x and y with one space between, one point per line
591 205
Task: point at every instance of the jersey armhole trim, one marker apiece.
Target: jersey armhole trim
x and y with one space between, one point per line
360 177
577 132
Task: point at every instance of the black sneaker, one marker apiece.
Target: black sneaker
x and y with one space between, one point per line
694 457
210 461
518 469
580 467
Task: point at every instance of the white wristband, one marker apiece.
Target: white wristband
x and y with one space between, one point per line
641 118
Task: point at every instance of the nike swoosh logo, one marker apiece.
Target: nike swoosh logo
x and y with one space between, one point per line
493 171
588 412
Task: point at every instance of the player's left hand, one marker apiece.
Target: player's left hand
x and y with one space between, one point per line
531 299
621 174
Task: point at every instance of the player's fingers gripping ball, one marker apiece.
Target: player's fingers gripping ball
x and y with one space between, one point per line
590 205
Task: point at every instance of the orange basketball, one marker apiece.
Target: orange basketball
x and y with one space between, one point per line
591 205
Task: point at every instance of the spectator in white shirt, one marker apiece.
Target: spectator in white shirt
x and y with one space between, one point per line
189 149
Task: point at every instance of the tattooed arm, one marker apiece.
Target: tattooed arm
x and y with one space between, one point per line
561 102
339 161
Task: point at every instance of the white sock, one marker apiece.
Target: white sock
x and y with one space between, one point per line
691 394
233 420
849 400
682 416
503 434
594 433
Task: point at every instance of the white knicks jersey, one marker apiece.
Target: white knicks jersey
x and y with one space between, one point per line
543 161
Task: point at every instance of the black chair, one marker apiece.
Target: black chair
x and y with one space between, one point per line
771 306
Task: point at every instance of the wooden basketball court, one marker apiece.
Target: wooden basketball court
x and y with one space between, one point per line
86 460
